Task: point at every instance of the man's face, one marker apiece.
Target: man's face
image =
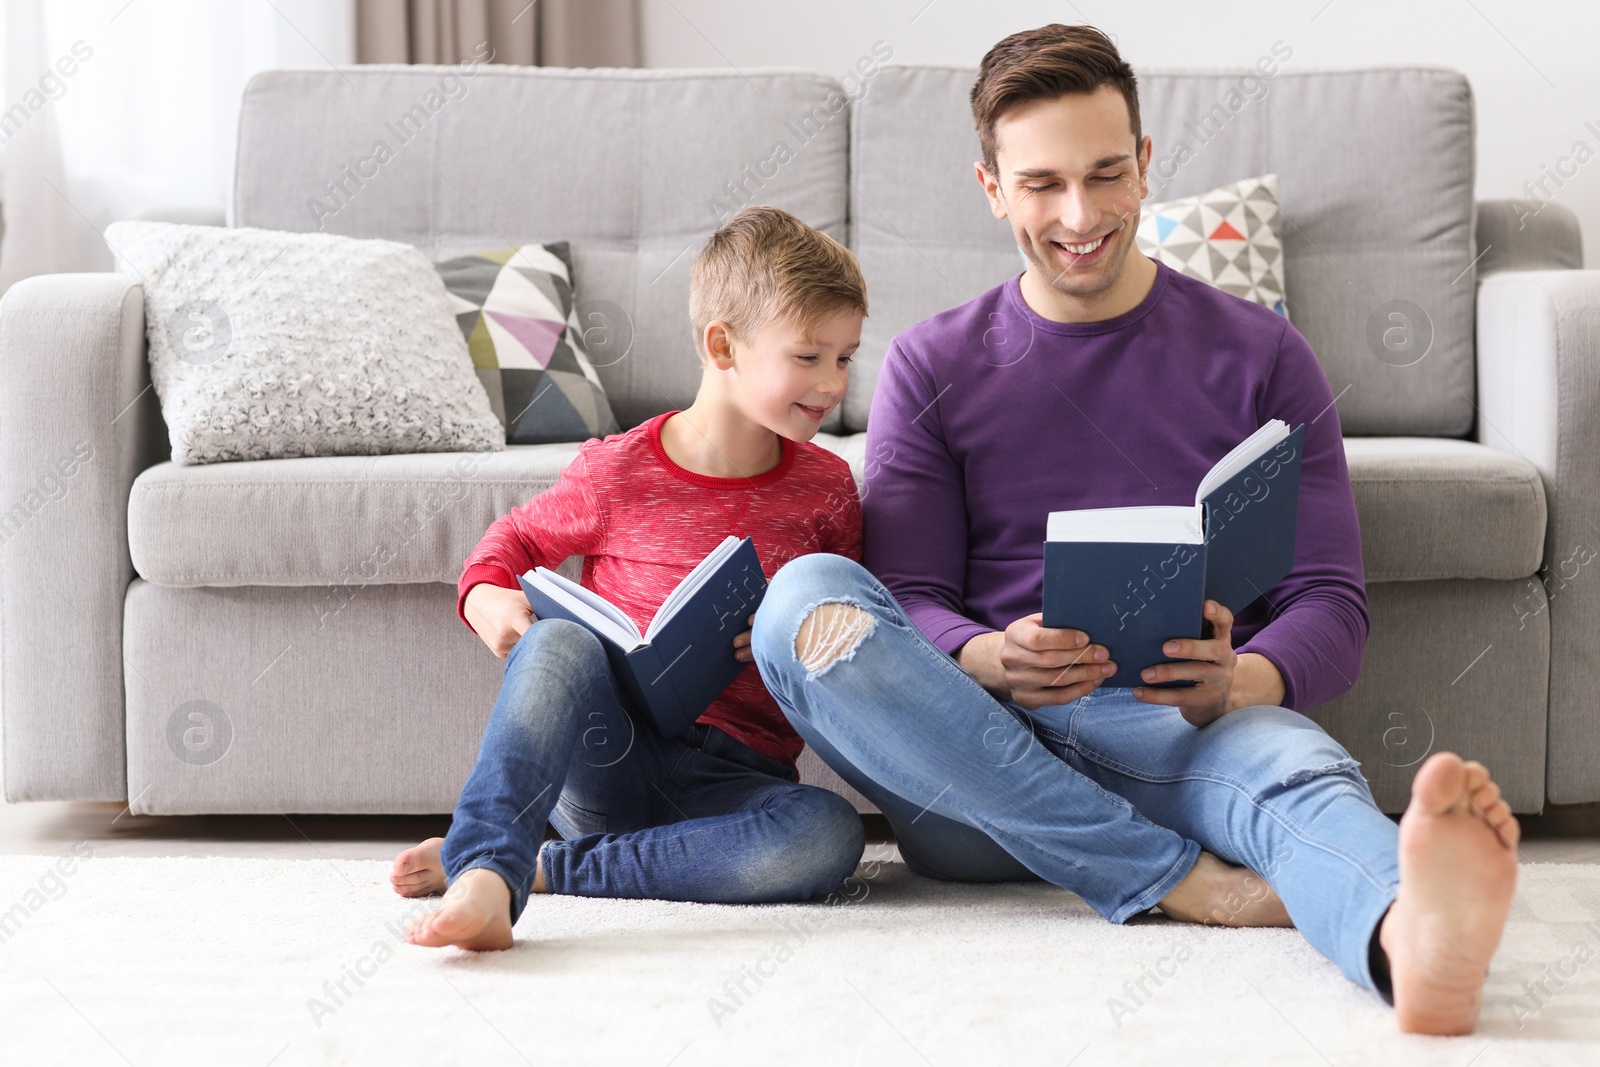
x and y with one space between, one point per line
1066 175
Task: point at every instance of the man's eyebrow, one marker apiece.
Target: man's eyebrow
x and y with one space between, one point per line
1049 172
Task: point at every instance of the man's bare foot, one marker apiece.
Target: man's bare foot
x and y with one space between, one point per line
476 915
418 871
1458 869
1219 894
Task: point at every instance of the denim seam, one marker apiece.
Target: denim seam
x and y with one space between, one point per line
1163 885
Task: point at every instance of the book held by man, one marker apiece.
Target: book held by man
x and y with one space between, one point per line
685 658
1133 578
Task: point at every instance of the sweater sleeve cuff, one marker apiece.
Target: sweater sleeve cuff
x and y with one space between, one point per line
492 573
946 629
1277 658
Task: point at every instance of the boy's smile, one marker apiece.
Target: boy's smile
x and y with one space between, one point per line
781 383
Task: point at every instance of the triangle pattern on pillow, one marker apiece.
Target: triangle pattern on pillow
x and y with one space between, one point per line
515 308
1228 237
536 337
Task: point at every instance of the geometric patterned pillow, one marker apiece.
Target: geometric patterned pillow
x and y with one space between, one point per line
515 308
1230 237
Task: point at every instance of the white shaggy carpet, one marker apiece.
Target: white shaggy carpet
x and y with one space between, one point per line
238 961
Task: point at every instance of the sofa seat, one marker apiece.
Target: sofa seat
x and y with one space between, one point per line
1438 507
322 521
1430 508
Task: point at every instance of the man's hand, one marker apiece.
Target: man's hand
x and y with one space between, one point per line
500 616
1211 663
741 645
1035 665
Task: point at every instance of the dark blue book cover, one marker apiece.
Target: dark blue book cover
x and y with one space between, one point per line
1133 597
690 660
1250 525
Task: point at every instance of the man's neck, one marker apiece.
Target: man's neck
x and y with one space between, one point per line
1133 284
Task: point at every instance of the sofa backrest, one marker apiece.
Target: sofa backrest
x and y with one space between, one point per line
632 167
637 168
1375 179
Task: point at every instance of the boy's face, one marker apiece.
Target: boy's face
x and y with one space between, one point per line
788 379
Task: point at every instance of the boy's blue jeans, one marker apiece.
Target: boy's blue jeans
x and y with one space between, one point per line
1108 796
641 815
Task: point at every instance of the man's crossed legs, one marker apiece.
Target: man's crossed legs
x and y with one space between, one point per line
1114 799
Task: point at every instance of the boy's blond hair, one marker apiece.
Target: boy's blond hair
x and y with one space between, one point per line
764 265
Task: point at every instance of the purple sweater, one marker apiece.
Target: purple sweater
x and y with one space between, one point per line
987 417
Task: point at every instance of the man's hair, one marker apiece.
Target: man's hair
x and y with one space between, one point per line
1043 64
764 265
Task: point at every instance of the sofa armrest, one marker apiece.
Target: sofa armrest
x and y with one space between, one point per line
77 424
1527 235
1539 396
188 214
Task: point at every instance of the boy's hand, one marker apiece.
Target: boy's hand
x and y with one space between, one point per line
741 645
500 616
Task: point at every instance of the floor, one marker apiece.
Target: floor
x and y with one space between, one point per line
1560 835
926 970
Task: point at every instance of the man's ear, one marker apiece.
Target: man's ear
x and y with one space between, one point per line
716 342
1142 161
991 189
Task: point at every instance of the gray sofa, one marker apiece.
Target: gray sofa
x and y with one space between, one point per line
280 636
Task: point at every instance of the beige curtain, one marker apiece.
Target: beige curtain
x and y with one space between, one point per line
549 33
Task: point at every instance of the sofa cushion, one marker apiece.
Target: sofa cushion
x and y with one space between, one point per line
1230 237
329 521
1437 507
636 168
515 309
1430 508
267 345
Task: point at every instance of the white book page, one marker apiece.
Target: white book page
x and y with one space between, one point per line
692 582
589 605
1244 453
1175 525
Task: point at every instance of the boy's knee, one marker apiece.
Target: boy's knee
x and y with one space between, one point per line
561 638
830 632
828 845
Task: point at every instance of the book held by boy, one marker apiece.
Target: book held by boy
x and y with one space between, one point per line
685 658
1133 578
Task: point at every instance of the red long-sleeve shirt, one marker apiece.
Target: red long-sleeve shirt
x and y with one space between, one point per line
642 522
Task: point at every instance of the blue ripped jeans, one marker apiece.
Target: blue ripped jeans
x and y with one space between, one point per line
1108 796
641 815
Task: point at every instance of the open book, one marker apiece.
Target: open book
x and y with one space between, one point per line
685 658
1134 578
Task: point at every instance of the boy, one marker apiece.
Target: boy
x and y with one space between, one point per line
776 308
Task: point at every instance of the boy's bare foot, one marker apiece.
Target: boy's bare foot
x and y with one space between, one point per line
476 915
1458 869
418 871
1218 893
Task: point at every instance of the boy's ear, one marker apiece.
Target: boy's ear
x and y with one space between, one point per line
717 343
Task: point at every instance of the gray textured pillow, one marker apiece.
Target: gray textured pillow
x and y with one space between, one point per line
265 344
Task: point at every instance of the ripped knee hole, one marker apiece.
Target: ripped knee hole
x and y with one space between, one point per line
830 632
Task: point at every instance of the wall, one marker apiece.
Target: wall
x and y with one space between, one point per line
1532 72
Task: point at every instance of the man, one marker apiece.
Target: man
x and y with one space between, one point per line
1100 378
